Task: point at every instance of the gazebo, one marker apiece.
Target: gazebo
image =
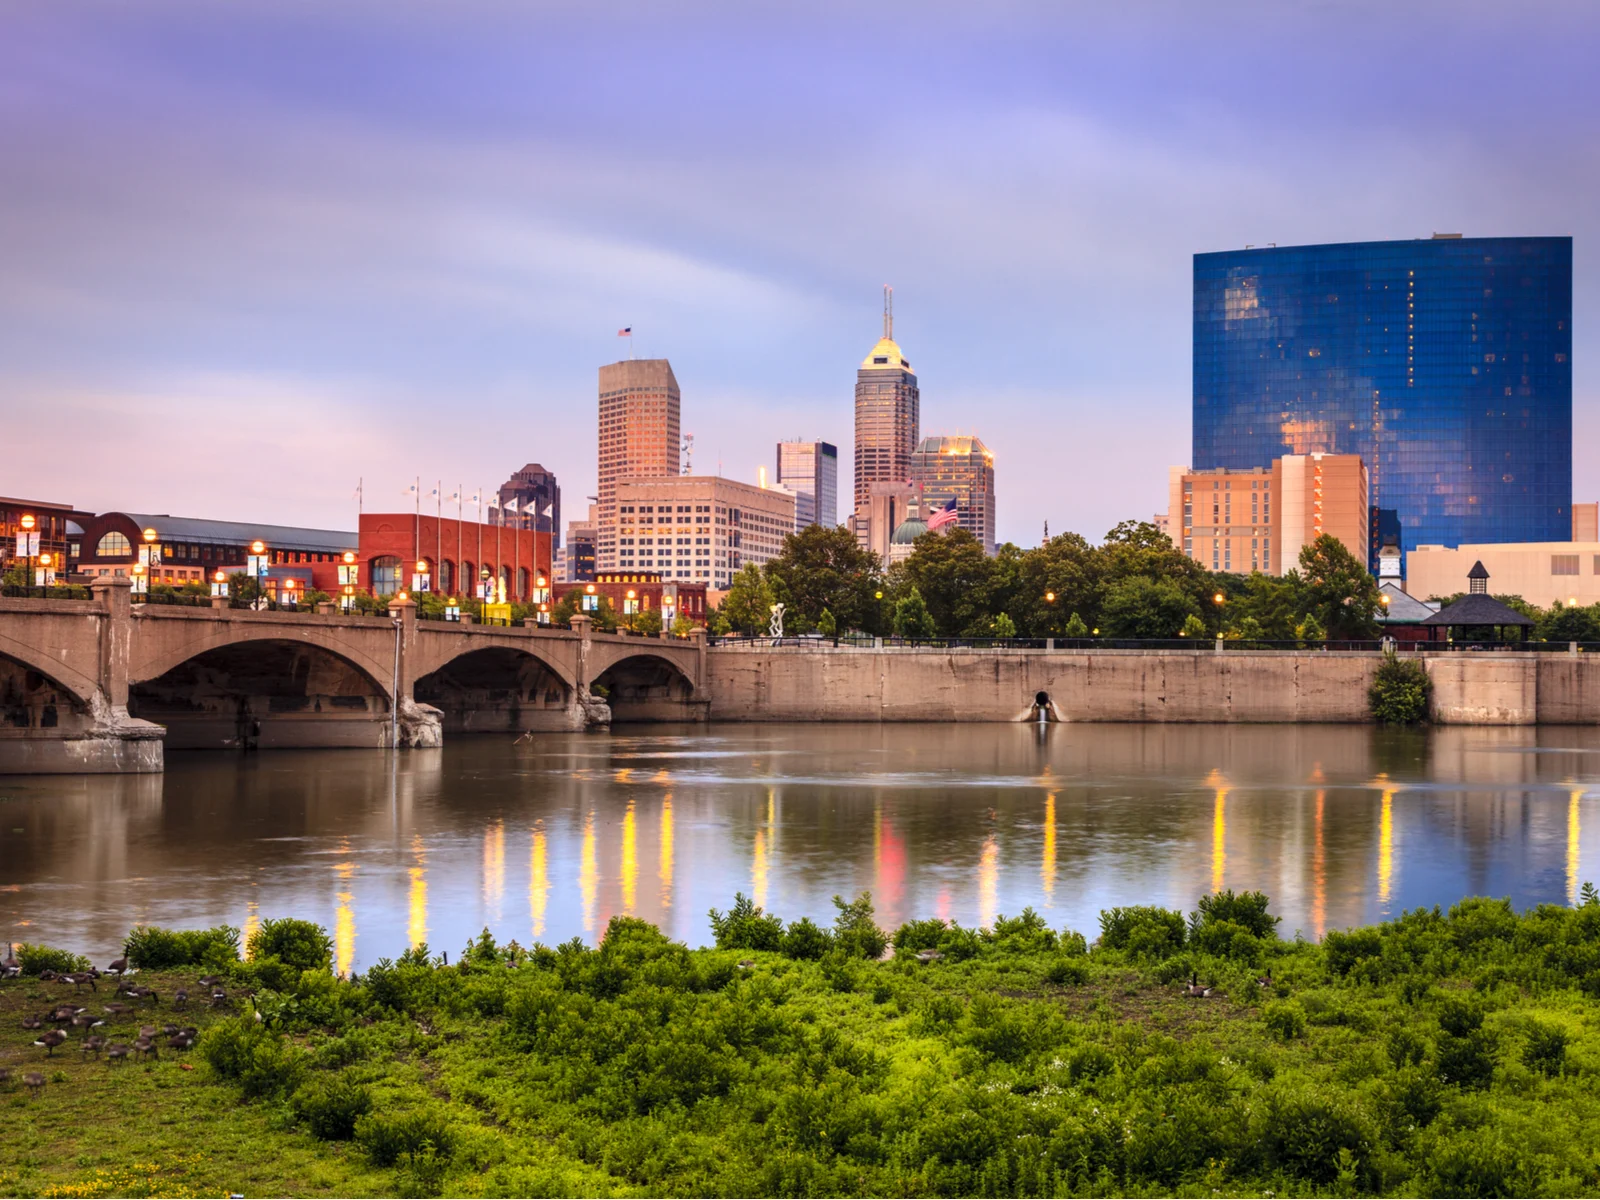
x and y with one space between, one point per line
1478 610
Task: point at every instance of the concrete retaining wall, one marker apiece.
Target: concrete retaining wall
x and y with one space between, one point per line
1131 685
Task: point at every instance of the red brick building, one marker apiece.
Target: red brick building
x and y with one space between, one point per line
192 549
630 592
454 552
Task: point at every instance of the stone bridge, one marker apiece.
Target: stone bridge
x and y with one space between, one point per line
102 685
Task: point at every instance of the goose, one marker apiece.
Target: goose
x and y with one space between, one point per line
169 1029
47 976
33 1022
10 968
928 956
116 1052
210 980
63 1014
78 980
147 1031
86 1021
147 1048
746 964
1264 980
34 1080
1194 991
93 1045
118 966
180 998
181 1041
50 1039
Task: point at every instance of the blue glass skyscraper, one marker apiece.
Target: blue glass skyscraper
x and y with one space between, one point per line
1446 364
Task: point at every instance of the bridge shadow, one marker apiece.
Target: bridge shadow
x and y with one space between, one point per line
264 694
648 687
497 688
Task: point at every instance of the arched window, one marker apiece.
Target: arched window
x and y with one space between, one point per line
522 583
113 545
447 575
469 578
385 575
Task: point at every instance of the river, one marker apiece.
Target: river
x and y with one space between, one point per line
547 839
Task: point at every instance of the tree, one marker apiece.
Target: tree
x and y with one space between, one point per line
1142 607
748 604
1577 624
911 616
566 608
1004 626
1270 604
1337 589
1066 568
824 569
647 622
682 626
826 625
1075 628
1193 627
952 574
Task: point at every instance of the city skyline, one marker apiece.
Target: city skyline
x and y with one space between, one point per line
226 249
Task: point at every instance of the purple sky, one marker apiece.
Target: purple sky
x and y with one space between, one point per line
250 252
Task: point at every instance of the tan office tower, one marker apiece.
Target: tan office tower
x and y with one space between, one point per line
1259 519
639 437
886 414
700 528
959 468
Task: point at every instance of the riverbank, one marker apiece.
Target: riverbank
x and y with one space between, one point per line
1438 1054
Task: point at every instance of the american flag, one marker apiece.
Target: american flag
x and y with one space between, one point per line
628 332
944 516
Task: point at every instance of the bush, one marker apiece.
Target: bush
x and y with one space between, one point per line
806 940
855 931
1142 930
36 960
1546 1048
1247 909
1284 1019
1067 972
330 1108
1400 691
919 935
746 927
154 948
256 1058
390 1137
1026 934
302 945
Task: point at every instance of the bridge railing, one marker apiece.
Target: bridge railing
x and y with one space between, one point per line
1206 645
60 591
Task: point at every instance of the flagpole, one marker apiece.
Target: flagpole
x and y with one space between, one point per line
417 553
438 528
478 500
460 487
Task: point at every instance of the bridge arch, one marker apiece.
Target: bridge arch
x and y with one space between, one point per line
496 686
261 691
79 685
649 685
33 698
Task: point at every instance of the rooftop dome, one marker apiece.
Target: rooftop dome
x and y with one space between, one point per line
886 356
908 531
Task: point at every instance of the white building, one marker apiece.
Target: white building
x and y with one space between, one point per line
699 528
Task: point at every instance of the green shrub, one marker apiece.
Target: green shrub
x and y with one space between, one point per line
1144 931
746 927
1067 972
330 1107
806 940
1248 910
920 935
1400 691
255 1057
36 959
1284 1019
1546 1048
390 1138
855 931
156 949
302 945
1026 934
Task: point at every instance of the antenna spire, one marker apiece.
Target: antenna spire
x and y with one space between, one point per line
888 312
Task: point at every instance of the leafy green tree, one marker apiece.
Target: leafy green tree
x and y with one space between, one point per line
566 608
647 622
953 575
682 625
824 569
1271 603
911 616
1338 590
1061 577
1141 607
1399 692
1075 628
1193 627
1576 624
1003 626
748 604
1310 629
826 625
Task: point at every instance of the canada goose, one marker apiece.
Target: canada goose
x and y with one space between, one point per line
63 1013
1264 980
210 980
147 1031
117 966
1194 991
180 998
50 1039
169 1029
93 1045
928 956
47 976
11 968
34 1080
746 963
219 997
116 1052
86 1021
77 981
147 1048
33 1022
181 1041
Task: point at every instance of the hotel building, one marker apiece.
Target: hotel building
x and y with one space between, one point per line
699 528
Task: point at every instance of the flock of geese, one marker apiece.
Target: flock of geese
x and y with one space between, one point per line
58 1024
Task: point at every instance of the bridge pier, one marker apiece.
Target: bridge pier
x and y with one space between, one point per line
47 729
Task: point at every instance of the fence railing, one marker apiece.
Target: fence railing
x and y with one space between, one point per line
60 591
1207 645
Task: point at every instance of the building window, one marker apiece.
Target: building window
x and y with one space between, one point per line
385 575
1563 564
113 545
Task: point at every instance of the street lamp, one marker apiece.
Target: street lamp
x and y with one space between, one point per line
27 543
152 556
422 580
452 609
1049 597
1219 599
45 562
288 591
219 583
138 579
258 559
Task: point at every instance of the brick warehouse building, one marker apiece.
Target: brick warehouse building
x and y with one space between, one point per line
391 545
630 592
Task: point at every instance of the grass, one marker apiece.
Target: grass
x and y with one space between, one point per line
1437 1054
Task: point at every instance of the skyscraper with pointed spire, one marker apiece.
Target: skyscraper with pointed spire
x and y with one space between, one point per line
887 414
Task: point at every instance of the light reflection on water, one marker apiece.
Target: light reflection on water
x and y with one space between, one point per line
549 839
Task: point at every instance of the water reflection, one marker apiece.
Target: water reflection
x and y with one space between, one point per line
1339 825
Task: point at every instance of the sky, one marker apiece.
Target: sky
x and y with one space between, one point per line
253 253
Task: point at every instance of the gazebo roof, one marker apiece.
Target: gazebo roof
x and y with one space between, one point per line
1477 609
1403 609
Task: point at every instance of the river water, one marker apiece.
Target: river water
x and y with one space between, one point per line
547 839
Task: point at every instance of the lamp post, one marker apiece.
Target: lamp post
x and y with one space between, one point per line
26 544
219 584
152 557
258 559
421 582
288 591
349 576
138 579
45 562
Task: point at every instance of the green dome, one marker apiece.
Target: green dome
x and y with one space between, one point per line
908 531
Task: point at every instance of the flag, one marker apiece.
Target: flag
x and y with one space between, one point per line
628 332
944 516
549 509
511 504
493 501
411 490
434 493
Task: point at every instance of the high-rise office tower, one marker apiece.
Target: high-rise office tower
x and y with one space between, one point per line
639 435
535 490
961 468
1446 364
811 471
886 413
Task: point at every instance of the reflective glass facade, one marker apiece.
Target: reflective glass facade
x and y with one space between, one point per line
1446 364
